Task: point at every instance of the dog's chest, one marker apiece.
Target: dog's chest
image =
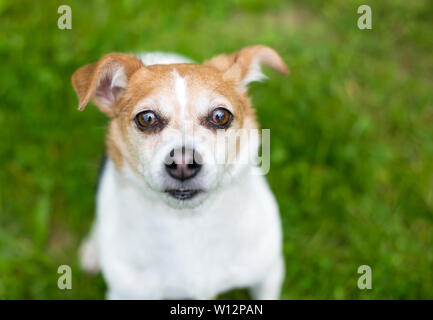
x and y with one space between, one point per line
189 253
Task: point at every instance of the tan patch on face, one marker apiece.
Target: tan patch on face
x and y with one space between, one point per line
113 141
200 80
156 86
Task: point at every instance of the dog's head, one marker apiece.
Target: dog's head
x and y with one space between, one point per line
182 128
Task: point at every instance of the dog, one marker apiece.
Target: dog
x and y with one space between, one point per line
172 222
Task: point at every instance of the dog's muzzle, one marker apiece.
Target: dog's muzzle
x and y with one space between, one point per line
183 164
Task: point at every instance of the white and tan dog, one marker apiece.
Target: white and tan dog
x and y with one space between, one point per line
172 221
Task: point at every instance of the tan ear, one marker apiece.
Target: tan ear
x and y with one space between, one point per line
244 66
104 81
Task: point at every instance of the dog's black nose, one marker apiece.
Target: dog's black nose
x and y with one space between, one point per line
183 164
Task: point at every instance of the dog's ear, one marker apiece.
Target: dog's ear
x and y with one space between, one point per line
104 81
244 66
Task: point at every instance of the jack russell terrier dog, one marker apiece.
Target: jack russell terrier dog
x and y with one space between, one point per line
174 222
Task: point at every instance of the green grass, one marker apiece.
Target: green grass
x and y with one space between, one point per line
351 135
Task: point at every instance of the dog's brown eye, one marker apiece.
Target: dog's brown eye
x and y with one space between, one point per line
221 118
146 120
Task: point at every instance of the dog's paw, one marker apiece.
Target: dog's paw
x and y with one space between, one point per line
89 258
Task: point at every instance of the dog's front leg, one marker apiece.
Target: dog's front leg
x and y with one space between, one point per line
89 251
269 288
131 282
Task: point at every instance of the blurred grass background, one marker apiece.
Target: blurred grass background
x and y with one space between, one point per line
351 134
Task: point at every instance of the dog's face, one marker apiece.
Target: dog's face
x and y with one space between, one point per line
183 129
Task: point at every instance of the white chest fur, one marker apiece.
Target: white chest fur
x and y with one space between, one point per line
148 250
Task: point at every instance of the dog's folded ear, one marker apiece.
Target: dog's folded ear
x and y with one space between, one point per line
244 66
104 81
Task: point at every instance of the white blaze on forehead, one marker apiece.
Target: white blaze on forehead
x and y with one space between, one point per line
180 91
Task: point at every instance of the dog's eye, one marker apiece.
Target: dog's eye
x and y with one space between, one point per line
220 118
146 120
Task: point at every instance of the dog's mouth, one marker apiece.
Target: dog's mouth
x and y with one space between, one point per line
183 194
